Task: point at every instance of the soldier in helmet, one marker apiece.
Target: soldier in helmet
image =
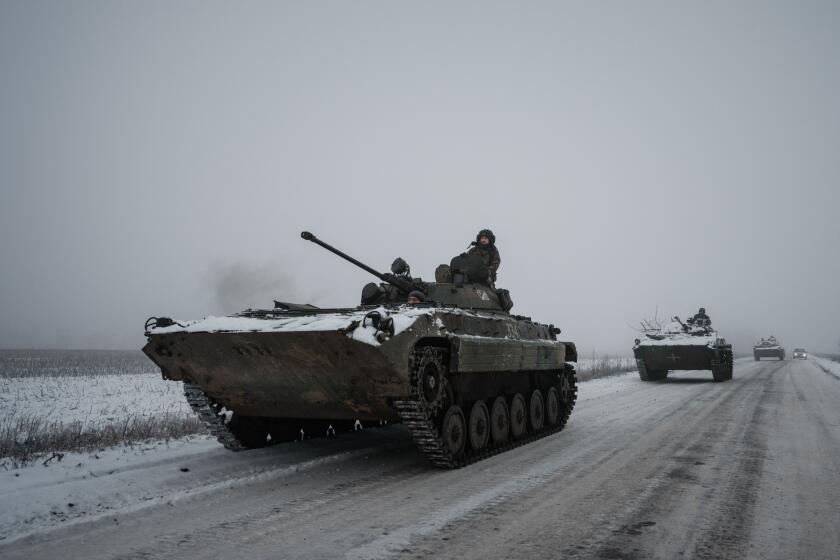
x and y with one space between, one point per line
485 246
416 297
701 319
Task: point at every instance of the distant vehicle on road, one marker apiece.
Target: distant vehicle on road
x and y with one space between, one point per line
768 348
683 347
800 354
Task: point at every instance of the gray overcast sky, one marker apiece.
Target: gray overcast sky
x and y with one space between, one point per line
162 158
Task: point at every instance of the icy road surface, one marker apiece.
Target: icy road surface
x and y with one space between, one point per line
686 468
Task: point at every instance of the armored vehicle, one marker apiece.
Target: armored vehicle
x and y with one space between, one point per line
467 378
800 354
683 347
768 348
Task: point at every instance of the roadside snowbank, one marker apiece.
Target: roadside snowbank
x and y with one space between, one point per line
829 366
86 485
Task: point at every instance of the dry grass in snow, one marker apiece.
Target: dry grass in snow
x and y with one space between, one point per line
588 368
45 414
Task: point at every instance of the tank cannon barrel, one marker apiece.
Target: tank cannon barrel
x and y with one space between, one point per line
404 285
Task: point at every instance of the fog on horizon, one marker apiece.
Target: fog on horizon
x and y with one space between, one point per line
162 159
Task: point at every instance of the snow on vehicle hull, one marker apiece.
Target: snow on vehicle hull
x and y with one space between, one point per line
295 374
676 357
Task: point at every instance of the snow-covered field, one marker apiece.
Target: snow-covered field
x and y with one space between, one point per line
93 400
63 363
589 368
46 409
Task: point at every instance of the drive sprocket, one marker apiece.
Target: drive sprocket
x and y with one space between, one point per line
429 377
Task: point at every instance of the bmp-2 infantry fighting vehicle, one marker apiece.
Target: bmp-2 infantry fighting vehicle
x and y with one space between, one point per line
465 376
683 347
768 348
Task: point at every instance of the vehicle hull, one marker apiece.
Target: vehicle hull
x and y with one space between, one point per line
327 374
682 357
302 375
773 352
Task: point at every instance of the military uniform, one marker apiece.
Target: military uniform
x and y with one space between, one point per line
489 253
701 319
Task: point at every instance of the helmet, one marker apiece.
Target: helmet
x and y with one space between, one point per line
417 294
488 234
702 310
400 267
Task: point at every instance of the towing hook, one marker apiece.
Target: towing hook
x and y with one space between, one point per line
159 322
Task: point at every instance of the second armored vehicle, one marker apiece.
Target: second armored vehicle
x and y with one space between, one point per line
466 377
800 354
768 348
683 347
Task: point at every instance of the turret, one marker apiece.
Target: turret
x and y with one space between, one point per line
403 284
461 289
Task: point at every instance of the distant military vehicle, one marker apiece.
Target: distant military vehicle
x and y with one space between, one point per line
681 346
768 348
800 354
466 377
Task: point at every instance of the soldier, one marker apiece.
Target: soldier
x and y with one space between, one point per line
701 319
485 246
415 297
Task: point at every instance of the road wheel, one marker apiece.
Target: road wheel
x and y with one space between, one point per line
479 426
499 421
536 410
454 430
518 416
552 406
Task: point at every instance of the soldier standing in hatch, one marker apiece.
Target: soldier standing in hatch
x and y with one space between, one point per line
701 319
485 246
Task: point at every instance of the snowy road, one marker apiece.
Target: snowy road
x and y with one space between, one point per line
686 468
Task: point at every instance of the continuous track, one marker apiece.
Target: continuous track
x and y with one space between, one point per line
421 419
208 412
647 375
